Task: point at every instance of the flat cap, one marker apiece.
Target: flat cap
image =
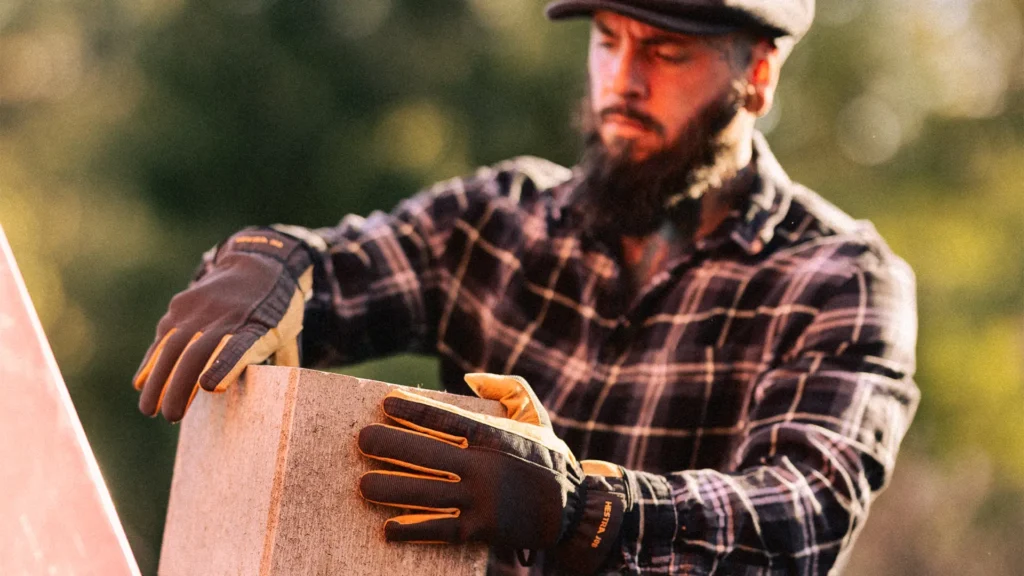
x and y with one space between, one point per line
771 18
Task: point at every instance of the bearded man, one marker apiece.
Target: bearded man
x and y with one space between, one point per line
730 354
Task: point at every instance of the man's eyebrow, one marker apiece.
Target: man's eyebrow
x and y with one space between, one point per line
662 39
602 27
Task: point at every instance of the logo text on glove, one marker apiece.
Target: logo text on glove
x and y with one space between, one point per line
260 240
604 524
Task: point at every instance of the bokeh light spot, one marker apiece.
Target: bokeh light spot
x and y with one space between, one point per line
502 14
838 12
355 19
413 136
868 131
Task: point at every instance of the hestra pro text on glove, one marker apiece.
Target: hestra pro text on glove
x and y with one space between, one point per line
506 481
247 307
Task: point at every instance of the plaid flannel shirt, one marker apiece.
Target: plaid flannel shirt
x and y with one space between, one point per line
755 391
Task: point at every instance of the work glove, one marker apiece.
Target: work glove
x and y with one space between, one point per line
246 307
508 481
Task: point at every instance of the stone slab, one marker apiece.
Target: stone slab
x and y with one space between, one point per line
265 483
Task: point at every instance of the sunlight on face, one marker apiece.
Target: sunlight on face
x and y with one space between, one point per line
647 84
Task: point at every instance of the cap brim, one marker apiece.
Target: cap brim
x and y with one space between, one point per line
563 9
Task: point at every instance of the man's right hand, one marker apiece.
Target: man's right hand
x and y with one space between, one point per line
247 307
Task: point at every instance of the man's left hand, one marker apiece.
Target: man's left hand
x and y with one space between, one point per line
471 477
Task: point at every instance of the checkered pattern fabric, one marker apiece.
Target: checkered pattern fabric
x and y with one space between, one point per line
756 389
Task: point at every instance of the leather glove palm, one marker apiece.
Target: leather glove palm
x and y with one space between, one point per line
247 307
471 477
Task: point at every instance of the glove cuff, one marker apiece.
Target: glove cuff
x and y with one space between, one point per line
294 254
604 506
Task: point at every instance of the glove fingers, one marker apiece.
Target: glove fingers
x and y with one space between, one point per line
416 491
462 428
424 529
409 449
229 359
183 383
164 360
455 425
150 359
438 419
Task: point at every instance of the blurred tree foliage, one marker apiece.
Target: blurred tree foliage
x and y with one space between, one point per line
136 133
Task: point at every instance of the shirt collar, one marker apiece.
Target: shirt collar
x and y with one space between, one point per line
752 226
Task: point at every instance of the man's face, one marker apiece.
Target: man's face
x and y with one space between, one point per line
647 86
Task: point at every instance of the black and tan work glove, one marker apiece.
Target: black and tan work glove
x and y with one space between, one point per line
508 481
245 308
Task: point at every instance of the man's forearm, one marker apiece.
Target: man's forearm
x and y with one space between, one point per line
782 515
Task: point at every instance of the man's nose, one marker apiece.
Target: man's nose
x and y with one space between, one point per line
628 79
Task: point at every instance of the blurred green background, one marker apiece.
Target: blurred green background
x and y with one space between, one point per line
134 134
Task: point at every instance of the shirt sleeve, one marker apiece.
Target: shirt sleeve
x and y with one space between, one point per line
824 428
381 281
375 282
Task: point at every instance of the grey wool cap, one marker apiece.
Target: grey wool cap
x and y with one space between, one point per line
770 18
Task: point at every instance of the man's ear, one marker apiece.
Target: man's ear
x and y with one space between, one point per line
762 77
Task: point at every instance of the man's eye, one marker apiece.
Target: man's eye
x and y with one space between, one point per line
672 54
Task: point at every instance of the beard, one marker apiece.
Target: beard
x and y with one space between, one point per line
623 197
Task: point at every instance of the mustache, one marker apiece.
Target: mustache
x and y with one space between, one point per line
642 118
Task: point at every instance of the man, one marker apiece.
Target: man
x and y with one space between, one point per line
737 352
